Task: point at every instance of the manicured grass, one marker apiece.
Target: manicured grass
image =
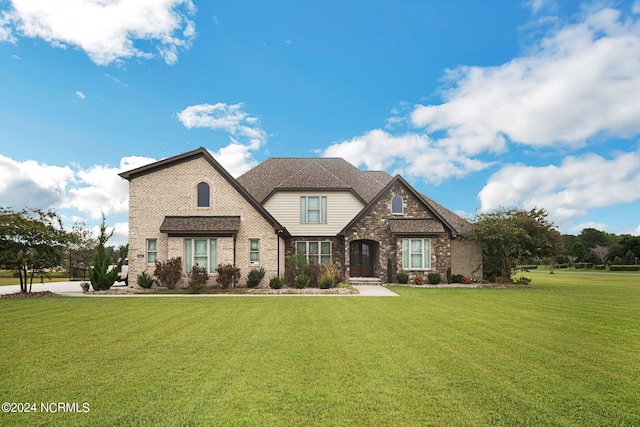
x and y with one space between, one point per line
6 278
565 352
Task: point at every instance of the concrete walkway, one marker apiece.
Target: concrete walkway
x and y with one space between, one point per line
74 289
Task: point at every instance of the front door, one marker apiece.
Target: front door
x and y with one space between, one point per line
361 259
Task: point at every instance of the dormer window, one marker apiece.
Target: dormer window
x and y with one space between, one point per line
203 195
396 205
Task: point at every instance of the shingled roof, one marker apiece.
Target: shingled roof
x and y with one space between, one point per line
200 225
281 173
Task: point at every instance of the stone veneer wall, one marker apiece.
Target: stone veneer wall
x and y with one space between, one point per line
172 191
337 249
374 226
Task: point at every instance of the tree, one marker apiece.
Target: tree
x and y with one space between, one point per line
102 277
508 235
592 238
578 251
601 253
31 241
82 247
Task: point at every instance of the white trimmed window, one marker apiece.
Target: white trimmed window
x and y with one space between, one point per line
254 251
200 252
152 251
416 254
315 252
313 210
396 205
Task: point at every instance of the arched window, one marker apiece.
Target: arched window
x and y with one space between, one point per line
396 205
203 195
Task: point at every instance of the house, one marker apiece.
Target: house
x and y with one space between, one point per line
324 208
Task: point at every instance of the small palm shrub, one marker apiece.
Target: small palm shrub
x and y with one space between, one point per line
144 280
227 275
434 278
402 277
276 282
255 276
301 281
198 278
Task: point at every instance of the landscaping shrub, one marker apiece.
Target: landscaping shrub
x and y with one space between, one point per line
600 267
301 281
255 276
315 272
402 277
578 265
144 280
434 278
624 267
466 280
617 261
169 272
276 282
527 267
326 281
449 277
418 280
297 265
457 278
228 275
198 277
521 280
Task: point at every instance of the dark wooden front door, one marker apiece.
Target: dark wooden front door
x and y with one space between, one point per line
361 259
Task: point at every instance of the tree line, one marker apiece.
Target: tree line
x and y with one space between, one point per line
33 242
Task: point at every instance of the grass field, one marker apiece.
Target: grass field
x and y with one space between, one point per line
6 278
564 352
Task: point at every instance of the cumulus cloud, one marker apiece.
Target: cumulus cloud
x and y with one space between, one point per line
32 184
567 190
410 154
579 82
80 95
107 31
244 132
90 191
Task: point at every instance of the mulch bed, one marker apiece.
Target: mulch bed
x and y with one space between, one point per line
43 294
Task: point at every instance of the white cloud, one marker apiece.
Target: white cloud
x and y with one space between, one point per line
567 191
581 81
244 131
80 95
106 30
32 184
410 154
538 6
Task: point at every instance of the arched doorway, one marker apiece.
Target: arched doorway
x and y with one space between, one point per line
362 256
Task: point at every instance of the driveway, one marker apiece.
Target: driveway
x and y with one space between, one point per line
74 289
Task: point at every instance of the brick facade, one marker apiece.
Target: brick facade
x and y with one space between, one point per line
171 191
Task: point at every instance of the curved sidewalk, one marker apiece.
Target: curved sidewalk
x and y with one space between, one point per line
73 289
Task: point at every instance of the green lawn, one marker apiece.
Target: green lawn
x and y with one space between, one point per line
6 278
565 352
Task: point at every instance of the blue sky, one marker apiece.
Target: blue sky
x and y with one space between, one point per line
478 104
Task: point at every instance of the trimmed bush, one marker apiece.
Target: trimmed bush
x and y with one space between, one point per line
434 278
198 277
276 282
521 281
169 272
578 265
402 277
255 276
144 280
624 267
418 280
600 267
457 278
326 281
228 275
527 267
301 281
